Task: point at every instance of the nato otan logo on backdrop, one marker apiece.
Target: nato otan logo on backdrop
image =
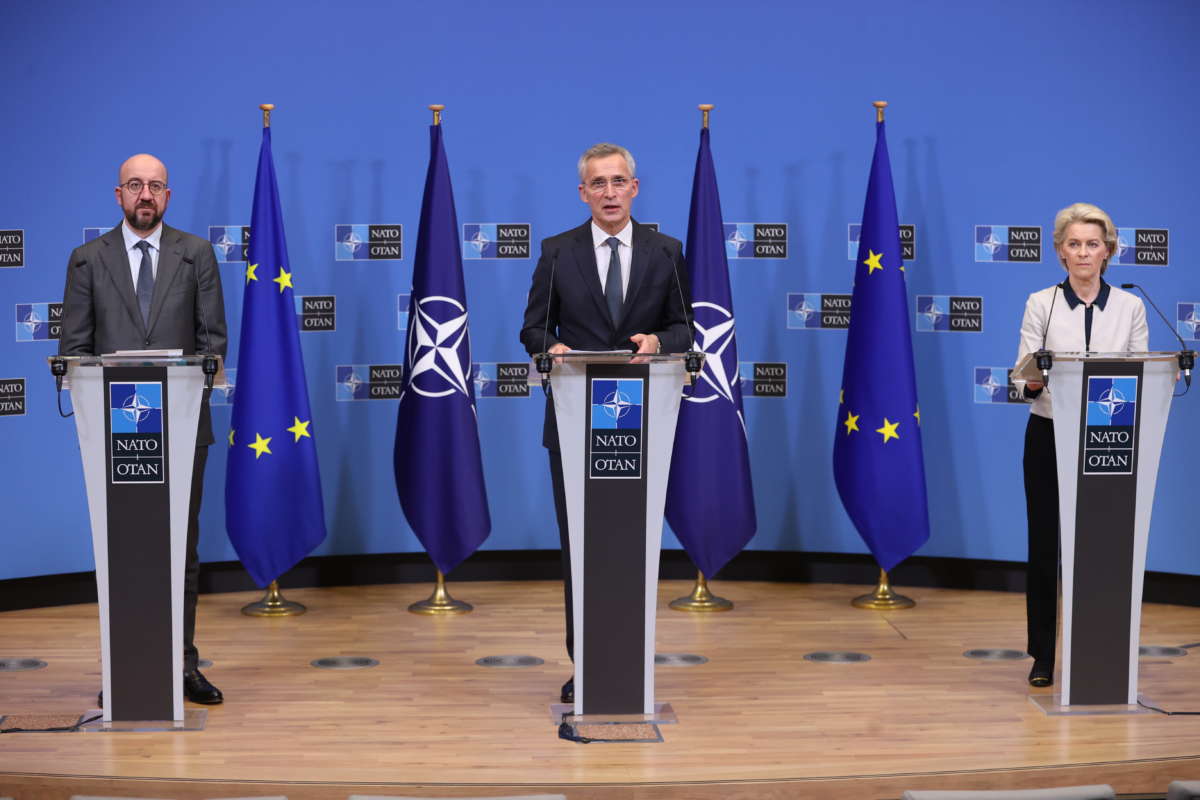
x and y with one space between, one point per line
223 396
1008 243
763 378
12 248
230 242
12 397
941 313
39 322
756 240
353 242
136 432
809 311
908 241
615 432
993 385
316 312
1142 247
501 379
369 381
1187 317
1109 446
495 240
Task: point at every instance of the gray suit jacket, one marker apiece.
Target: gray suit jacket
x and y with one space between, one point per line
100 308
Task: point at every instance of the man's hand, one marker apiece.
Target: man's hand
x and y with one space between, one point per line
646 343
558 349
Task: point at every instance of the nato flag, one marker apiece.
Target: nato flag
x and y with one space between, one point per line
877 459
273 507
710 500
439 471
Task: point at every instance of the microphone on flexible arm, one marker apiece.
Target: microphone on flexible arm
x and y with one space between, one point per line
1045 360
693 360
1187 357
543 360
209 365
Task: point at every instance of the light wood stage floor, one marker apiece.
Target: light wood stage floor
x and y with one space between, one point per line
756 721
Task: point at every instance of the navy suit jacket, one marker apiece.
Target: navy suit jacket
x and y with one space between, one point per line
187 312
569 307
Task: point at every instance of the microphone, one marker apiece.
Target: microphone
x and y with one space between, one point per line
58 368
1187 357
1045 360
693 360
543 360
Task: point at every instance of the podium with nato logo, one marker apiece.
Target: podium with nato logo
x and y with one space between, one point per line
616 418
1110 417
136 416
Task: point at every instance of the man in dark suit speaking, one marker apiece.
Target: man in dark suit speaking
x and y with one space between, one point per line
146 286
609 284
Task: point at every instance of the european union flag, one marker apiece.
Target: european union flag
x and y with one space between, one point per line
273 507
439 471
877 458
710 500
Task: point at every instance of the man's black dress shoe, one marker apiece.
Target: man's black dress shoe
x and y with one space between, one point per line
1042 673
197 689
568 691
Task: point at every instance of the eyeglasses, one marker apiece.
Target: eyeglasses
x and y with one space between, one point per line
619 184
135 186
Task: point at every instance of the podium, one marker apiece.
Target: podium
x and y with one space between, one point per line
1110 416
136 417
616 418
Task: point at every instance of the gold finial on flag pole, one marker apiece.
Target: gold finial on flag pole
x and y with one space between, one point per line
267 108
880 105
437 110
701 599
440 602
705 108
273 604
883 598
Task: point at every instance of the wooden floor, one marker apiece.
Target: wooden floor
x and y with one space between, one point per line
756 721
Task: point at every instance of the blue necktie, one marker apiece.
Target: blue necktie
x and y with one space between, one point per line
145 282
612 283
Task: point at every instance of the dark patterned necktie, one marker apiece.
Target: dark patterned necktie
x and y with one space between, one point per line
145 282
612 283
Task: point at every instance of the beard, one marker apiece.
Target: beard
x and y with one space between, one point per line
134 222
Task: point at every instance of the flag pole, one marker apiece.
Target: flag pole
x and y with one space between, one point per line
273 603
883 598
440 602
700 598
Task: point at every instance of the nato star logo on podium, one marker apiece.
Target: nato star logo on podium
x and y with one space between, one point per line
135 407
616 404
1112 402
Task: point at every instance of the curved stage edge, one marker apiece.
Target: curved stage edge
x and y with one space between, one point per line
757 720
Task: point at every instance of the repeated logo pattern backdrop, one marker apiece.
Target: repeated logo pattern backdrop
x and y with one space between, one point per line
979 170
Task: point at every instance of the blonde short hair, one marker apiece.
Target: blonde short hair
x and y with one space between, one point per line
1086 213
603 150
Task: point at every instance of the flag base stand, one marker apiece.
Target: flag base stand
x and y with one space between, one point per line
883 598
701 599
440 602
273 604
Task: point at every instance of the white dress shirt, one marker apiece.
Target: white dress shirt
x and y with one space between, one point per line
135 255
1118 326
603 252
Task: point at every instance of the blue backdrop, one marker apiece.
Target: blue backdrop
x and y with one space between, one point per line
997 117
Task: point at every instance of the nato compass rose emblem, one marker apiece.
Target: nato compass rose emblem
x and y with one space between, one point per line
1111 402
32 322
439 350
933 314
352 242
738 240
804 311
226 244
1122 246
714 337
992 244
617 404
352 382
136 408
479 241
990 385
1191 322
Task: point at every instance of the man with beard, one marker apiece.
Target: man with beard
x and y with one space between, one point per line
146 286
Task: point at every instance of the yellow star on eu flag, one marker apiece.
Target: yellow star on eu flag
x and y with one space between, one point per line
231 437
250 276
284 280
259 446
872 261
851 422
300 428
888 430
917 414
